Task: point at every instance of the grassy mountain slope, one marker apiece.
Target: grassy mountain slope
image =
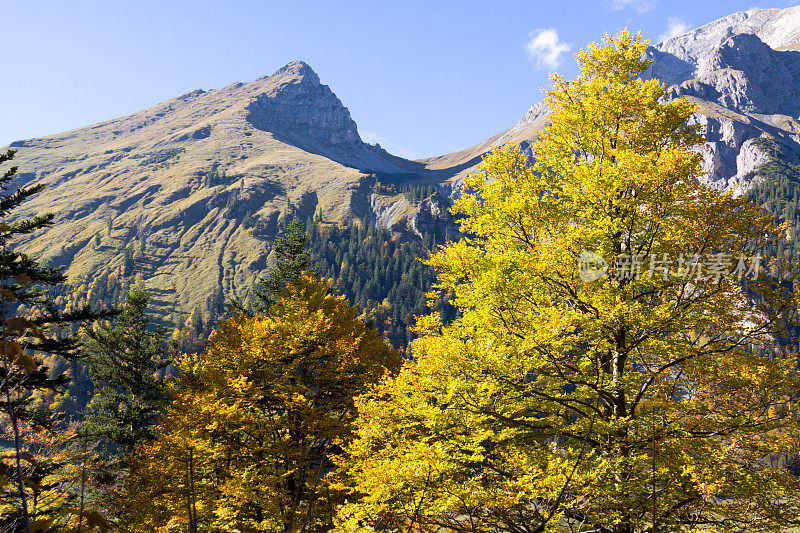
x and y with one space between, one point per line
190 193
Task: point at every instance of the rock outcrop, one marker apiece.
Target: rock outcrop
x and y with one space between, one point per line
298 109
743 73
299 106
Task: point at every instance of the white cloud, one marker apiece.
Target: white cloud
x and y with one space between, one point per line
545 48
675 26
641 6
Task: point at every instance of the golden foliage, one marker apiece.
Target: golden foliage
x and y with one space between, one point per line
554 403
263 410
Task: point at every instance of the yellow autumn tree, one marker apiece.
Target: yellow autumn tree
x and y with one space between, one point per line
46 471
257 418
613 368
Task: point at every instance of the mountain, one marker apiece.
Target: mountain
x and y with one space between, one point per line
742 70
189 194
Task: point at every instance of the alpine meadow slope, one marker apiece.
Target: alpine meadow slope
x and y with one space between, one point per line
189 194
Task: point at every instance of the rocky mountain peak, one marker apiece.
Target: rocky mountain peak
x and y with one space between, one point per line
741 72
744 72
778 28
744 61
298 107
296 70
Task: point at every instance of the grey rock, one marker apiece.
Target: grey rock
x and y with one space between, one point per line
304 107
302 111
433 217
742 73
745 63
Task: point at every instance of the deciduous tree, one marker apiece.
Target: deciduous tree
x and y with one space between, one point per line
638 398
262 413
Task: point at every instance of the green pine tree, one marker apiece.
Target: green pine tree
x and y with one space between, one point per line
30 328
292 260
126 361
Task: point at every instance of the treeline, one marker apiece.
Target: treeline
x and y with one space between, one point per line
413 193
777 190
383 274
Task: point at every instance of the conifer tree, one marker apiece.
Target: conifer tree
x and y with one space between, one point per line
30 325
292 259
127 362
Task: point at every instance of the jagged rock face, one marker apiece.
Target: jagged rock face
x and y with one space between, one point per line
433 217
742 73
300 106
752 77
301 111
729 155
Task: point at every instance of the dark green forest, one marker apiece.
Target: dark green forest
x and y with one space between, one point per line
385 276
778 191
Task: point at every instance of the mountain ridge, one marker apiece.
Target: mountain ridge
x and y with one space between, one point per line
196 187
742 70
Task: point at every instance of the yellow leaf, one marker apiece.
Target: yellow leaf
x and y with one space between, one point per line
21 359
13 349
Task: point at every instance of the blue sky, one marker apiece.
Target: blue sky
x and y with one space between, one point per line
421 78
